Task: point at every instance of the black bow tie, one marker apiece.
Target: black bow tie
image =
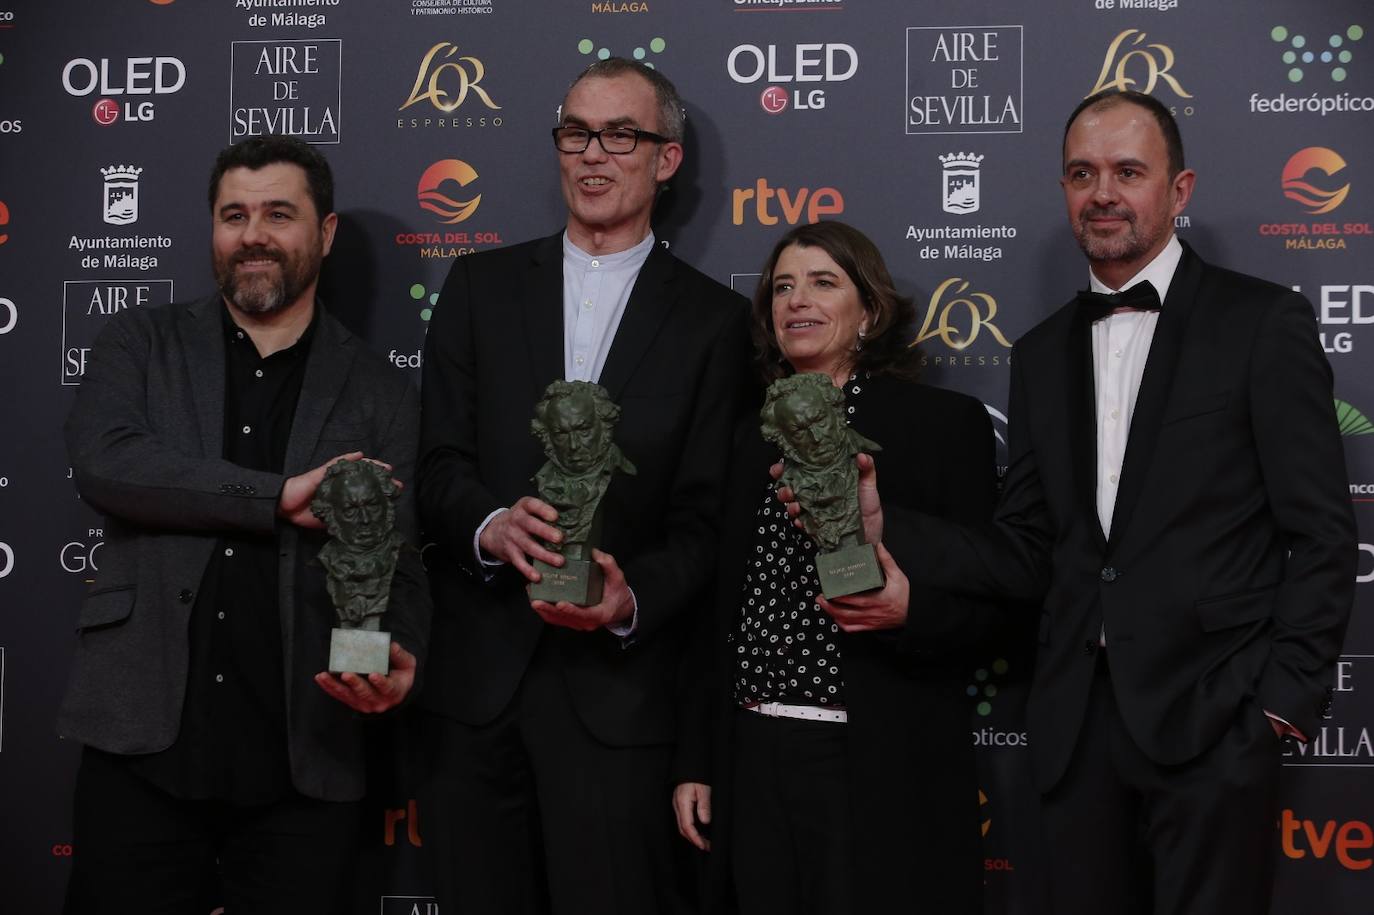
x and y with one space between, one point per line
1140 297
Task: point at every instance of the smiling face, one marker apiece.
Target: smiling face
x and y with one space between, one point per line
578 438
817 312
610 198
1120 196
268 242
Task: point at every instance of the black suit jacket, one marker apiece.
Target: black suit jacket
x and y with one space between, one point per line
145 440
913 789
675 368
1228 574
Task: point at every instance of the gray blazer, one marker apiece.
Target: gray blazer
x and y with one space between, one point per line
145 438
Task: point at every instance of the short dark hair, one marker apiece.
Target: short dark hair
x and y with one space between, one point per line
672 116
256 152
1110 98
884 351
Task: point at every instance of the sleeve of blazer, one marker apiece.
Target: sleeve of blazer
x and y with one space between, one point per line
409 607
453 500
1300 454
124 468
677 573
968 493
1007 558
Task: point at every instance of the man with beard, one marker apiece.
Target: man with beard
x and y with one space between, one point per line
217 748
1176 502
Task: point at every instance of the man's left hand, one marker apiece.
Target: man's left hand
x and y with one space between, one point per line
374 693
617 604
885 608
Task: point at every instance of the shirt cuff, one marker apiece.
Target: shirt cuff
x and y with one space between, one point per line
487 566
1285 729
626 630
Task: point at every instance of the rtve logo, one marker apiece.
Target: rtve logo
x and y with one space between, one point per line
824 201
1349 841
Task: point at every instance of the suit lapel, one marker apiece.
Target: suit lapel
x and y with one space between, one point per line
1081 415
541 307
203 348
1155 386
331 354
650 301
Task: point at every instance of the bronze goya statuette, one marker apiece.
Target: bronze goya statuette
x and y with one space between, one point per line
355 500
575 422
804 415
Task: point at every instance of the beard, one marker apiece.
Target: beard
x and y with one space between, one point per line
264 292
1127 246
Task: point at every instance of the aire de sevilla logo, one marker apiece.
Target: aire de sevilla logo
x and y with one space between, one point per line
432 198
1302 186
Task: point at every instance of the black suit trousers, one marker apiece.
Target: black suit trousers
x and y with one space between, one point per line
544 818
1134 837
139 849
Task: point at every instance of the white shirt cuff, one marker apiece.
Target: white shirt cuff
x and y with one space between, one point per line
626 629
487 566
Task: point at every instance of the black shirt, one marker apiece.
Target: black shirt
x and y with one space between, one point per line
786 649
232 745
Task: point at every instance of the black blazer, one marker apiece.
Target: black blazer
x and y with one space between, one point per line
145 440
913 785
675 368
1229 570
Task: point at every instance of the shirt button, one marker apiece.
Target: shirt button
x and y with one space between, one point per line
596 263
247 429
1112 478
228 551
185 595
1116 414
239 334
579 359
258 373
219 678
1109 574
1117 354
587 304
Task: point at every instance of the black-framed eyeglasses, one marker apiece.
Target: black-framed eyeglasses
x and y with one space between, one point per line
615 140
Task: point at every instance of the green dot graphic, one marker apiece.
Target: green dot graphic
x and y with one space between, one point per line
1335 41
1354 33
1338 74
639 53
1295 75
1289 57
1278 33
1000 666
985 708
603 53
417 292
657 45
585 46
1344 57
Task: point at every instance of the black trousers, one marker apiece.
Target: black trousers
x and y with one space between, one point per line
139 849
532 814
790 842
1127 835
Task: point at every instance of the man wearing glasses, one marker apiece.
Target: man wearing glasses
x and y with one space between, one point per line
550 727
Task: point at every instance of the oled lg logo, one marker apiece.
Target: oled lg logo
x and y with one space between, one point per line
808 63
139 76
1340 306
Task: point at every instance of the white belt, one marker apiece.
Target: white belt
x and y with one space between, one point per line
805 712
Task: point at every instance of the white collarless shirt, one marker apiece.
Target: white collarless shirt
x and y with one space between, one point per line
596 289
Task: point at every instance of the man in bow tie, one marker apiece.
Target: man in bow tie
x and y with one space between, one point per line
1176 504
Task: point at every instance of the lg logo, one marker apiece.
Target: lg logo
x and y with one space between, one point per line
809 63
9 315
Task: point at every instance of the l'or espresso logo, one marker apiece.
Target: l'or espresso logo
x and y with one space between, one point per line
448 81
1316 181
1341 310
1343 737
799 65
88 304
286 87
964 80
957 316
1132 63
120 82
443 191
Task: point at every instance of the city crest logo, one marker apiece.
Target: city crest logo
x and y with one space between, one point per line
121 194
959 191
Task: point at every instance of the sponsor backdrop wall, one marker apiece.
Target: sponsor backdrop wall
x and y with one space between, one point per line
934 127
